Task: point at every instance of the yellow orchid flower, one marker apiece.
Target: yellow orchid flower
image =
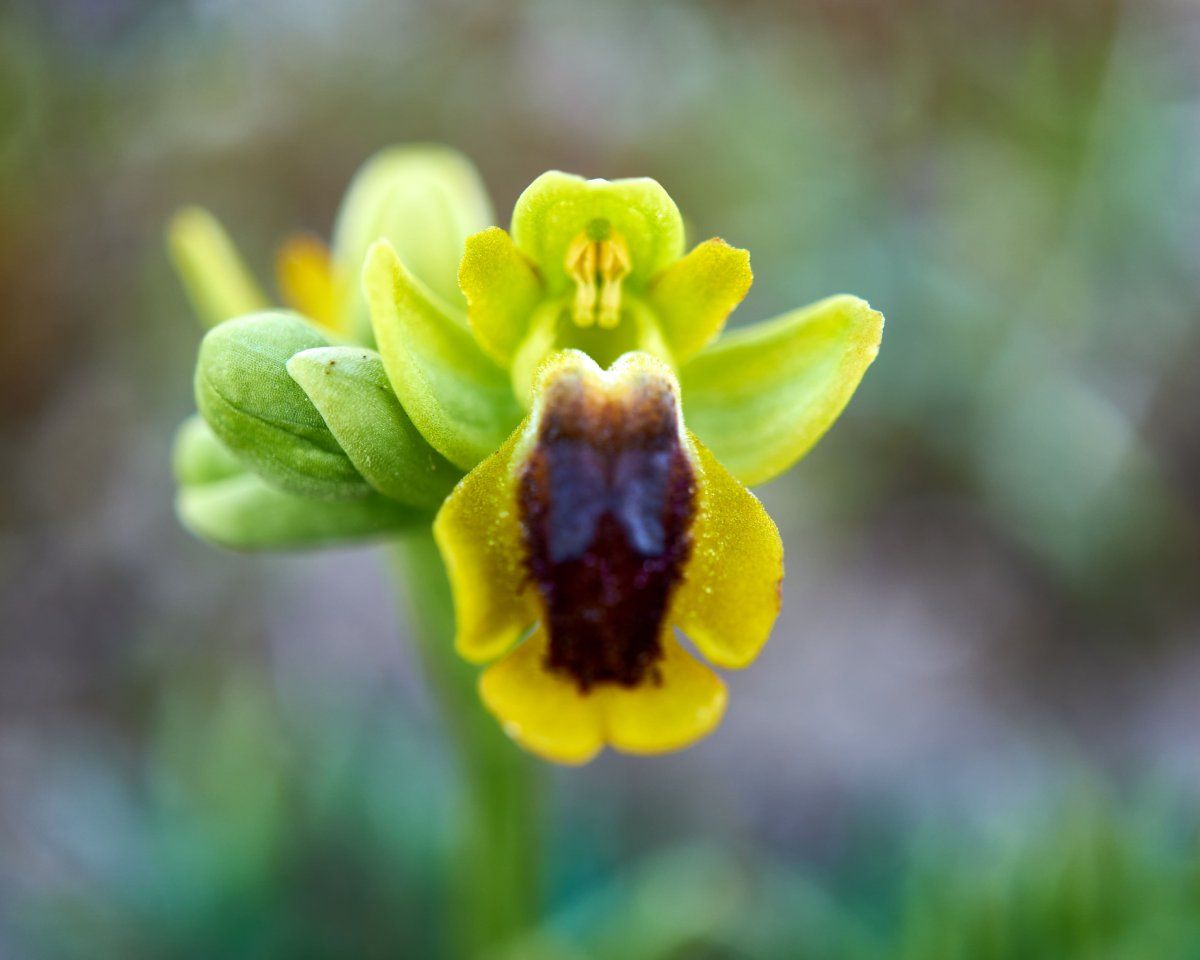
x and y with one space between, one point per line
600 524
569 417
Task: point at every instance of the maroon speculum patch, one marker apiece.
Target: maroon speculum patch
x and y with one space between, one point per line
607 498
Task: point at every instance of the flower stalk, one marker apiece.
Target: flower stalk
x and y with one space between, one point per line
494 884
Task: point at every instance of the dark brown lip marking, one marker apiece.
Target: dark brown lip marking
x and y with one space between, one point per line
607 498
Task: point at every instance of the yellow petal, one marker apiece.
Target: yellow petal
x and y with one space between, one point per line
479 534
694 296
307 281
685 704
729 597
502 290
544 712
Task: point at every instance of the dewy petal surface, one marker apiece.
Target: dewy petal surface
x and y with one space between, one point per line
502 290
557 207
762 396
479 535
729 597
462 403
543 711
693 296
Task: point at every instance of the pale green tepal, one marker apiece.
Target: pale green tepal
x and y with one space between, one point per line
226 503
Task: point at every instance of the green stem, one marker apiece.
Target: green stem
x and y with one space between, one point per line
495 874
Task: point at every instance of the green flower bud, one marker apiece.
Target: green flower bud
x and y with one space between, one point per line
246 513
200 457
224 503
244 392
425 200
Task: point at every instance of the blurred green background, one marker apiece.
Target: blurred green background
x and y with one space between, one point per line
975 734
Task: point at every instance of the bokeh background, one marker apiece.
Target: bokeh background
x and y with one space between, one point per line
976 730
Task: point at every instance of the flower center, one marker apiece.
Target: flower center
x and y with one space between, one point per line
607 498
597 260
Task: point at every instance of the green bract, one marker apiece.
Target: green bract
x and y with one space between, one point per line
309 436
350 389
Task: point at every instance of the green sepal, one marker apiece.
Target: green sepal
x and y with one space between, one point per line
502 289
350 389
693 296
460 401
244 392
245 512
199 457
425 200
761 397
557 207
